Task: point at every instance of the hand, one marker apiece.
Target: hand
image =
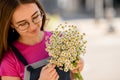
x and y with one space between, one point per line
48 72
80 65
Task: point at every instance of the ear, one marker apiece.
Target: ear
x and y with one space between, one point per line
12 26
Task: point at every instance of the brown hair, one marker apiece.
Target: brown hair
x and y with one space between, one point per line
7 8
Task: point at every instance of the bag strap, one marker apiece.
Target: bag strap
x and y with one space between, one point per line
21 58
19 55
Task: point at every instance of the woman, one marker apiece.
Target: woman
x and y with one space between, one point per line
21 24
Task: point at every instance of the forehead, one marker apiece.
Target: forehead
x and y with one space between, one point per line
24 11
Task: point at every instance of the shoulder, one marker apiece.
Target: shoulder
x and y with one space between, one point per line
8 64
8 56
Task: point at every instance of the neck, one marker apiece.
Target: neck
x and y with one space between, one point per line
33 39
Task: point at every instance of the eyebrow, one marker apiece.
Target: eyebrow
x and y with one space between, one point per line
25 20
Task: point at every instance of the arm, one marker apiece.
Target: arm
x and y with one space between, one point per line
48 73
9 78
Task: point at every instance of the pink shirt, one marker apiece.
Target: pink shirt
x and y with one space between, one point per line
11 66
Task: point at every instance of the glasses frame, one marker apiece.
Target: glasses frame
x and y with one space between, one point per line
28 23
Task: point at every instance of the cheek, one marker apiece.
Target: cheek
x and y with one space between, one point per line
21 33
40 26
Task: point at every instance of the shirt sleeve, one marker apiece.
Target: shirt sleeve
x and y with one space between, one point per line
8 66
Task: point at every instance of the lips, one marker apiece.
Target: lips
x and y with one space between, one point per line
34 31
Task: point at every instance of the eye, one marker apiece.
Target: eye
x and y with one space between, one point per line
23 24
36 19
37 16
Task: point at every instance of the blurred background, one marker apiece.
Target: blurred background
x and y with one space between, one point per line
99 19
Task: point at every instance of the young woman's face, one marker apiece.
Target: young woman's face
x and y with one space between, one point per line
27 20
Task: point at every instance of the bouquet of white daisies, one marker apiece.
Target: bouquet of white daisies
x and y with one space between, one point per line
65 46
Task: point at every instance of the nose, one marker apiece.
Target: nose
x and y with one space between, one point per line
33 26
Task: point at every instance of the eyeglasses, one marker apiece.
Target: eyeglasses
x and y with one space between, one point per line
25 25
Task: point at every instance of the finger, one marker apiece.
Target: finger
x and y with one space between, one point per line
52 73
75 71
48 66
51 65
55 76
81 61
80 67
79 64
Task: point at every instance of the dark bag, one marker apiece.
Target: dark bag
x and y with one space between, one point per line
32 71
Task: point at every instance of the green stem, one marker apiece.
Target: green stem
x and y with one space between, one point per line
77 76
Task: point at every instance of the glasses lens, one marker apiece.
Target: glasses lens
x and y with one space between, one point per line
24 26
37 19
